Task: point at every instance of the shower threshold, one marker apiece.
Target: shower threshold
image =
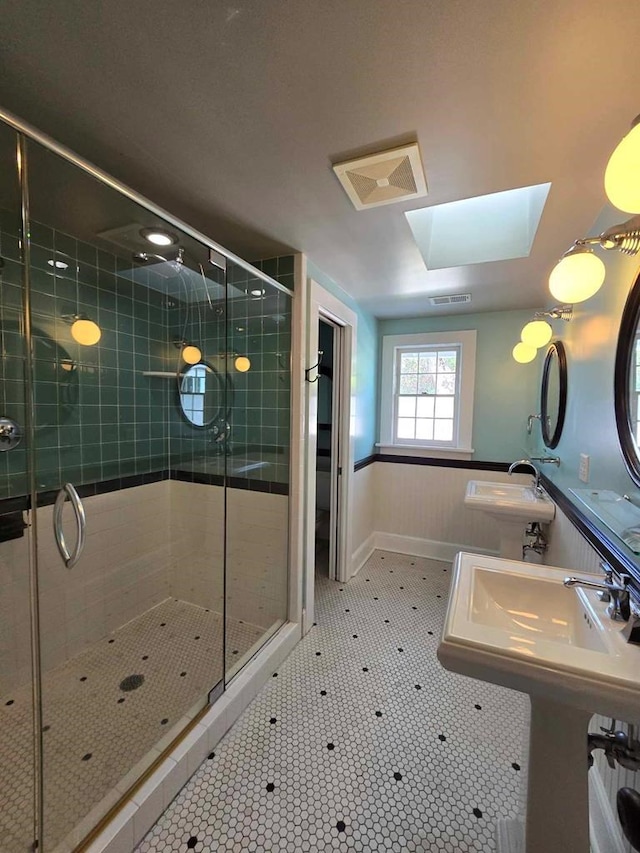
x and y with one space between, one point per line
106 714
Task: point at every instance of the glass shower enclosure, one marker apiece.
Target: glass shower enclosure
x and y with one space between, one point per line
144 470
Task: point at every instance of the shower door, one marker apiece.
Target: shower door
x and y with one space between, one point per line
130 489
18 699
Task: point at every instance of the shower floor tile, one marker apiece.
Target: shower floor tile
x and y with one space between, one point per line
361 741
105 709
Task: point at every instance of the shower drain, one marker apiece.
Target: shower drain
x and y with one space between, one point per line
131 682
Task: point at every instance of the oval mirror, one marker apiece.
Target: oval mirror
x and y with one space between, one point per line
201 395
553 397
627 383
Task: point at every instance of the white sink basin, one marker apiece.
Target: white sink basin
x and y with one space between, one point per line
509 499
515 624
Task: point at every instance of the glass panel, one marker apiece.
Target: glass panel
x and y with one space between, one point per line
424 429
444 407
425 408
446 362
428 362
409 384
446 383
409 362
406 428
17 781
427 384
443 430
132 634
407 407
258 332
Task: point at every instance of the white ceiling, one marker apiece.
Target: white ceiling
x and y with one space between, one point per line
230 114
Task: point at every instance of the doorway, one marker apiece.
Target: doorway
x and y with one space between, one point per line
331 425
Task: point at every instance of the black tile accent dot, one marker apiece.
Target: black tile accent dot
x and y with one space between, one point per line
121 700
347 610
191 843
365 669
323 692
477 812
341 826
401 587
397 776
386 621
270 786
375 598
163 624
197 637
211 755
515 765
132 682
87 756
145 657
318 654
182 674
442 738
111 641
330 746
418 686
414 607
378 713
46 729
273 720
400 649
478 707
275 675
10 702
430 633
83 678
164 721
355 636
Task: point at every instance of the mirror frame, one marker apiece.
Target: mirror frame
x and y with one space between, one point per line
624 351
557 350
224 388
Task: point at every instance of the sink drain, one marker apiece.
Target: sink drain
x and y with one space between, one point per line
131 682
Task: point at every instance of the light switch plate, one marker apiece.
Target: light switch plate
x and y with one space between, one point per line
583 471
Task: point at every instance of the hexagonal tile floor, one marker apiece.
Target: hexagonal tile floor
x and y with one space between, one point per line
104 709
361 741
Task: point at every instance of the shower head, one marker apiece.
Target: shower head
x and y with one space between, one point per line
145 257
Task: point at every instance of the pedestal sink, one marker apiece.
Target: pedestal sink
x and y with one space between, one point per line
513 506
515 624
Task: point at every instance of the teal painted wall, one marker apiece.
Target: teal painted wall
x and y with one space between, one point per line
590 340
366 387
505 391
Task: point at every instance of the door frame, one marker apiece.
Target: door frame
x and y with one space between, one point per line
324 305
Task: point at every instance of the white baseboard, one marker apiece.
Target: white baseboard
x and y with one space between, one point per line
604 829
362 554
430 548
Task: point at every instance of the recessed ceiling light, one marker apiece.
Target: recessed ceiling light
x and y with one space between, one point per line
257 291
159 237
59 265
239 328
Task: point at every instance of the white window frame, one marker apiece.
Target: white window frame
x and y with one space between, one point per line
465 342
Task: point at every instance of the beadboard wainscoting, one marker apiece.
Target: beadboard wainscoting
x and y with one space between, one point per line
419 509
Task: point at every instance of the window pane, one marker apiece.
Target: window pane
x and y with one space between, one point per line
409 384
443 430
406 428
406 407
428 362
424 429
426 383
446 383
444 407
409 362
446 362
425 407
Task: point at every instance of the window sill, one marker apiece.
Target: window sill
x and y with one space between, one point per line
433 451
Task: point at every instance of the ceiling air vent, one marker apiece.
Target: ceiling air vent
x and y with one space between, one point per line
454 299
383 178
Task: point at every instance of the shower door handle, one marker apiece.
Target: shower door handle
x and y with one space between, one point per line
68 491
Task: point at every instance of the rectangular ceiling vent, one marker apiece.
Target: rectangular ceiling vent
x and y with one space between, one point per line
454 299
383 178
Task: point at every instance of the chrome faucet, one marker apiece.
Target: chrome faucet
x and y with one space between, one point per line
616 593
525 463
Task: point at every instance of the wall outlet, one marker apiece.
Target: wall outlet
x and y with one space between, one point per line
583 471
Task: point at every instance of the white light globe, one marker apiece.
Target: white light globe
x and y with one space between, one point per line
523 353
577 276
622 175
537 333
242 364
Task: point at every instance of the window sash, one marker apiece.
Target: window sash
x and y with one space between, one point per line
431 427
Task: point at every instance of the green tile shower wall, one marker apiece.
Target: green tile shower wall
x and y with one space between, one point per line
96 416
257 402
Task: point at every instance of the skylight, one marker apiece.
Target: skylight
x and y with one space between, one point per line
495 227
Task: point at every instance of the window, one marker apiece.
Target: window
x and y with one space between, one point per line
427 391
